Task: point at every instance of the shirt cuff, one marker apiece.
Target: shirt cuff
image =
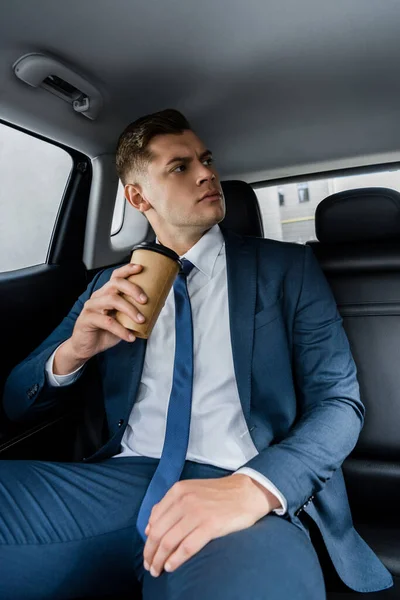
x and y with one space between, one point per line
60 380
267 484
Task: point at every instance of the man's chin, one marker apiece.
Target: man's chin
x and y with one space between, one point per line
214 216
211 221
204 219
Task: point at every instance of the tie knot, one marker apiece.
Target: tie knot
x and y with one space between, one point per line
187 266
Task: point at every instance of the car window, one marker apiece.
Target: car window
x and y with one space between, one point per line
288 211
119 210
33 175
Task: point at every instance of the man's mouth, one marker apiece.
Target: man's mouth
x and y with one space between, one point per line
211 196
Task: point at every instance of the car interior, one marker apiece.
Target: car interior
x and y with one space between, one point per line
283 92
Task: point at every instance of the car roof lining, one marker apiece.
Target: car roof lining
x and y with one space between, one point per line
273 87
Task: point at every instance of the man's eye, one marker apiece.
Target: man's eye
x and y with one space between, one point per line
179 167
209 160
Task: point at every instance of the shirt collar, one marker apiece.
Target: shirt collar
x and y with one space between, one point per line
204 253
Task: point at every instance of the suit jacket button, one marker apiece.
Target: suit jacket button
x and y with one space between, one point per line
120 422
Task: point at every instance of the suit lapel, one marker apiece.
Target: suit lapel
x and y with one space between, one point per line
241 264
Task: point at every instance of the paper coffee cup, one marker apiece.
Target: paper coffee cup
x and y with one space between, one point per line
160 268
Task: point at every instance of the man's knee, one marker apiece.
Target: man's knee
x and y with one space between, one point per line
272 559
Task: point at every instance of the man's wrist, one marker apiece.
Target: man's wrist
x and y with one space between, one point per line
271 501
65 360
271 498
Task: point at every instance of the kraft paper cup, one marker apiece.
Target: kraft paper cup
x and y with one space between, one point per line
160 268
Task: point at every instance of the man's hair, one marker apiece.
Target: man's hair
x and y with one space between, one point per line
133 155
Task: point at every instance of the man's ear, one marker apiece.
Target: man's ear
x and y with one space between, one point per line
133 194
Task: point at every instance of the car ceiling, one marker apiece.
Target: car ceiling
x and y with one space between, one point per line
266 84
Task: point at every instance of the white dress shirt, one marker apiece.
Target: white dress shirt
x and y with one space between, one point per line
218 431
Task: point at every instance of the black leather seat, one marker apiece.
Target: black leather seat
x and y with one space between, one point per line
243 215
358 248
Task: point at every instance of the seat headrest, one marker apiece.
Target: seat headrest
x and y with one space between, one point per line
243 214
360 215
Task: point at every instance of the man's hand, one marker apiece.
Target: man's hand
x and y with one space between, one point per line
96 328
196 511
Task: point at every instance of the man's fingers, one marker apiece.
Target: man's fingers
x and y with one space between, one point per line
160 527
129 287
118 285
126 271
107 302
176 542
108 323
191 545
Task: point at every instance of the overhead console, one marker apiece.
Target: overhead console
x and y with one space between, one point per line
40 70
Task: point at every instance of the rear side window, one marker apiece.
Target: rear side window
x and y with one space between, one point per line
288 211
119 210
33 176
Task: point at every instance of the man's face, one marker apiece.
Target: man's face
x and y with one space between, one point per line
178 177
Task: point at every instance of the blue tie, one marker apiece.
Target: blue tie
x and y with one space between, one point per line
176 440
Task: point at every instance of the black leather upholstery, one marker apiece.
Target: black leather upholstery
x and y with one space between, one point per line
243 214
359 251
369 214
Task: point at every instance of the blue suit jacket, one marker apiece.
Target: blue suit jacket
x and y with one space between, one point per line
297 386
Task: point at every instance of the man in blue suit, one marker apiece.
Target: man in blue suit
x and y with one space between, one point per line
226 427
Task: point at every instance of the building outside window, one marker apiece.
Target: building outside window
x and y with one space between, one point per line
303 192
294 220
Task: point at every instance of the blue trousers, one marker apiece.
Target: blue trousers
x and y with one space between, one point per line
68 530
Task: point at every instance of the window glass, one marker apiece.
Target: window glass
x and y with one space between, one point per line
303 192
288 210
119 210
33 176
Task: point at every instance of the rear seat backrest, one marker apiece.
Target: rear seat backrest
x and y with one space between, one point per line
359 252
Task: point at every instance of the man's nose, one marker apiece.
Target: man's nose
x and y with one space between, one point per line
205 174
